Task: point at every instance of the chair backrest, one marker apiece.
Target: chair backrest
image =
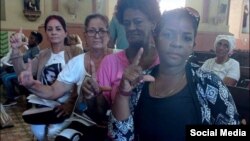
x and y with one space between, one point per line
241 98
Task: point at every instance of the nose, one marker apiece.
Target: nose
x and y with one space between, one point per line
53 31
132 26
97 34
176 41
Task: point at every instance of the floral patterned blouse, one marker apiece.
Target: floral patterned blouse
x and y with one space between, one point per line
211 97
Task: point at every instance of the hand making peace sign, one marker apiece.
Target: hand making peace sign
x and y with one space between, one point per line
25 78
90 87
133 75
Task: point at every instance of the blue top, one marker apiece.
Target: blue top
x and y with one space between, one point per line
118 34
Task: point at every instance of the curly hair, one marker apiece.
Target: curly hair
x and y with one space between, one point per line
149 7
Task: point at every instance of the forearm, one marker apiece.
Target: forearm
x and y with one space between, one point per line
230 81
120 108
17 61
43 91
52 92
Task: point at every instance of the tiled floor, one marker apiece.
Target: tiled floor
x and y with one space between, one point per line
21 130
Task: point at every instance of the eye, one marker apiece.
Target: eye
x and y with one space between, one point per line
91 31
188 38
167 34
137 22
126 23
49 29
219 44
58 28
102 31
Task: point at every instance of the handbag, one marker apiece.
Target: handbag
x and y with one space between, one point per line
45 115
5 120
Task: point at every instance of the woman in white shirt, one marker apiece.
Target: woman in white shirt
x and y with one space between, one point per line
226 68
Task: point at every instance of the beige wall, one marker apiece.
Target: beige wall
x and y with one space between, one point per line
235 22
15 18
207 31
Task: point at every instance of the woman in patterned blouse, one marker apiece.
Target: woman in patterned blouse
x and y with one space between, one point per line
176 93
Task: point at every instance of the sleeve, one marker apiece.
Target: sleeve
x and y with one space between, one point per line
220 101
34 52
234 71
104 76
225 106
72 73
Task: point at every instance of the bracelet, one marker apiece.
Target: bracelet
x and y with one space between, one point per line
125 93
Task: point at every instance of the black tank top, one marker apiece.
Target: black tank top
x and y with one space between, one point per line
164 119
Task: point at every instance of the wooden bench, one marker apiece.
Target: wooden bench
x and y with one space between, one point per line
241 98
244 77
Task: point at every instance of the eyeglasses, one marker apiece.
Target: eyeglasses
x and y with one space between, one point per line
92 32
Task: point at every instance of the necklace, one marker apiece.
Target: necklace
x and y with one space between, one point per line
172 91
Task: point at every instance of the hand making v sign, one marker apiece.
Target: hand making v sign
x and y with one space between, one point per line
133 75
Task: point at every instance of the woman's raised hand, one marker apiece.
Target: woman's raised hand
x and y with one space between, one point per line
90 86
133 75
25 78
18 39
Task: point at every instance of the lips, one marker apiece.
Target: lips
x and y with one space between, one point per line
173 55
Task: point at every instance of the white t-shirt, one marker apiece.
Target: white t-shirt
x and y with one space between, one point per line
231 68
56 59
74 72
52 68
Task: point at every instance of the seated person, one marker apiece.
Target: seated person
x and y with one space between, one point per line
226 68
29 51
74 40
46 67
73 73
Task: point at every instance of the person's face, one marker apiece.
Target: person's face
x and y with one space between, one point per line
175 41
55 32
138 27
97 34
32 40
222 48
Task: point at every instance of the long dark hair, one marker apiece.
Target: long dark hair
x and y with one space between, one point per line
58 18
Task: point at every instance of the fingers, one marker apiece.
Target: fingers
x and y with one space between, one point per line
90 88
138 56
21 30
105 89
93 71
88 94
147 78
87 88
60 111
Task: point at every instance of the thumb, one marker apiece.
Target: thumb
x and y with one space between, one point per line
148 78
93 71
21 30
